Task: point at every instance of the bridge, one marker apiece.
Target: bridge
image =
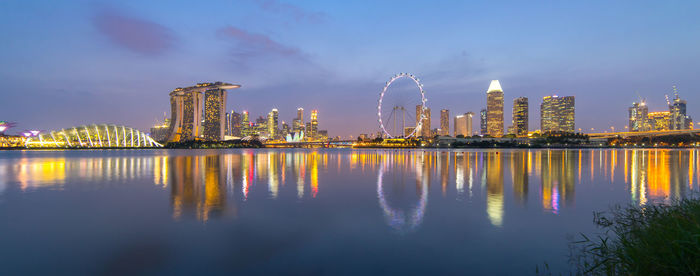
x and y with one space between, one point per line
642 134
310 144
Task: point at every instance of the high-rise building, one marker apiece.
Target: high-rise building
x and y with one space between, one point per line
494 109
186 110
470 123
520 116
313 131
679 118
461 125
228 125
235 124
483 116
214 114
639 117
424 130
444 123
659 120
285 129
273 123
557 114
246 126
298 122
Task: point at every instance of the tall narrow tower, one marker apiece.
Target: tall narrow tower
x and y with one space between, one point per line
444 122
520 116
494 109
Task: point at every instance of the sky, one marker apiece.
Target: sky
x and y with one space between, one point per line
70 63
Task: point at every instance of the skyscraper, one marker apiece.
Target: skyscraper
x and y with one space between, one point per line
425 126
679 118
273 123
186 110
483 115
298 122
235 124
659 120
557 114
470 123
444 122
461 125
520 116
246 129
214 114
314 124
494 109
638 117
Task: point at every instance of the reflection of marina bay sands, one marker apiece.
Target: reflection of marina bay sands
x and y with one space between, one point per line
209 186
187 105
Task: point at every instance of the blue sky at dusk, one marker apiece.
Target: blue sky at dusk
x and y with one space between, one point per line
67 63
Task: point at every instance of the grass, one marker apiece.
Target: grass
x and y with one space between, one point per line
647 240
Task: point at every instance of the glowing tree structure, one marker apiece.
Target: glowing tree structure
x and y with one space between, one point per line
389 120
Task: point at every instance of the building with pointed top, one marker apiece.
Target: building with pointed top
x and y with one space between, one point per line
494 109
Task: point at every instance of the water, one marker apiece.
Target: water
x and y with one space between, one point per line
323 211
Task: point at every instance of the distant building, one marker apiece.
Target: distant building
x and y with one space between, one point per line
313 130
424 130
470 123
638 117
679 117
483 115
444 123
285 129
186 110
659 120
214 114
494 109
236 124
273 123
520 116
461 125
246 125
557 114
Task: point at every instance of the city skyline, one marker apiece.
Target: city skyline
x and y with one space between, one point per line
131 54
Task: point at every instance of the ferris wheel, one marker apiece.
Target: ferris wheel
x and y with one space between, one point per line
396 105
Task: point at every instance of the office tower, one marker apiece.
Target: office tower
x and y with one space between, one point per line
470 123
483 115
235 124
298 122
557 114
227 125
494 109
659 120
679 118
313 131
520 116
285 129
461 125
214 114
246 125
425 126
638 117
273 123
308 132
187 108
444 123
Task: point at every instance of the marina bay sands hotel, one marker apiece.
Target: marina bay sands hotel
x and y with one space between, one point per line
187 104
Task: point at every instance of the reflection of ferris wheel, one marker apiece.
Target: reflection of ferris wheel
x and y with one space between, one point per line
389 121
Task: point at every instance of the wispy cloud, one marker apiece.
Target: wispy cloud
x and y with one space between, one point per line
136 34
251 46
295 12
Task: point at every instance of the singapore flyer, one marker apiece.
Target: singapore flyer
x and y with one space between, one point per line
395 108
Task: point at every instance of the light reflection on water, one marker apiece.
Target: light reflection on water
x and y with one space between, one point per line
418 193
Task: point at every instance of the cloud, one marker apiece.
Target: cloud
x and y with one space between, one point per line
249 47
297 13
136 34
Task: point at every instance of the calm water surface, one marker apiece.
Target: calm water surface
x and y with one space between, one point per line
324 211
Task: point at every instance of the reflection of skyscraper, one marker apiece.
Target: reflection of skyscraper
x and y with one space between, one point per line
494 188
494 109
557 114
520 116
519 172
558 176
191 195
444 122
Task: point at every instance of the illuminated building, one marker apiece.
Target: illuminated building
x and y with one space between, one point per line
470 123
235 124
424 130
557 114
92 136
494 109
273 123
160 132
461 125
214 114
520 116
444 123
285 129
298 122
659 120
638 117
312 127
186 110
679 118
483 115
